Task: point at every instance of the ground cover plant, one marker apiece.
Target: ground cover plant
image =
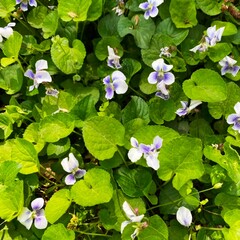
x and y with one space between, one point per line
119 119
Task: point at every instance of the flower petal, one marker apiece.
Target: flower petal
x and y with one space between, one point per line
134 142
24 6
117 75
70 179
137 218
120 86
162 87
154 12
144 148
65 165
128 210
24 217
153 78
6 32
169 78
158 2
73 162
80 173
33 3
144 5
237 108
194 104
232 118
184 216
37 204
107 80
109 92
41 64
29 73
235 70
134 154
42 76
152 160
124 224
157 65
157 142
40 222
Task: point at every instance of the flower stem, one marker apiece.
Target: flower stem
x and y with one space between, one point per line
120 153
93 234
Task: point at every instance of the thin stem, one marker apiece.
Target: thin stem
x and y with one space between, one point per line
120 153
48 180
92 234
212 228
138 93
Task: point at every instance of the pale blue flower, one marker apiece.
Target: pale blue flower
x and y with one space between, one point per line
6 32
41 76
37 216
116 82
184 216
113 59
24 4
234 118
187 109
71 165
150 8
161 77
227 64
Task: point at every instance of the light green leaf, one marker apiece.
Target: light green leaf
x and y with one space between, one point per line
227 201
229 161
67 59
183 13
178 164
6 127
96 188
75 10
8 172
59 148
102 135
205 85
57 205
219 51
229 28
36 16
141 29
58 231
57 126
95 10
6 7
50 24
210 7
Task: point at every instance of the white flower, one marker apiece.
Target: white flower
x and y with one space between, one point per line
184 216
113 59
7 31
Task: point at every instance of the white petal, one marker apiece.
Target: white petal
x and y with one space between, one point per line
134 142
134 154
128 210
120 86
196 48
65 165
194 104
40 222
118 75
157 142
41 64
25 218
6 32
42 76
184 216
152 160
158 2
157 65
124 224
137 218
237 108
73 162
37 203
162 87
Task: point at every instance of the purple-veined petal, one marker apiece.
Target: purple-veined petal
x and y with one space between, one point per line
235 70
32 3
40 222
144 5
153 77
134 142
29 73
166 67
128 210
181 112
120 86
107 80
224 69
73 162
232 118
163 96
153 12
41 65
24 216
24 6
194 104
80 173
157 142
40 212
184 216
152 160
162 87
147 15
144 148
211 31
237 108
124 224
168 78
230 60
223 62
65 165
42 76
134 154
109 92
219 33
37 204
52 92
117 75
18 1
236 126
70 179
158 64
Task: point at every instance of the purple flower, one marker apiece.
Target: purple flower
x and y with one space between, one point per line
227 64
187 109
235 118
213 35
41 76
184 216
7 31
24 4
161 77
27 217
150 8
113 59
115 82
70 164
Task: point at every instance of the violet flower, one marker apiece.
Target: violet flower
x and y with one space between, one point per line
6 32
70 164
227 64
24 4
165 51
161 77
116 82
113 59
234 118
37 216
150 8
184 216
41 76
187 109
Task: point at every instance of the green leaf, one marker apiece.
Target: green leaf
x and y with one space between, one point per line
6 7
12 45
141 29
210 7
95 10
227 201
136 108
178 164
6 127
8 172
167 28
11 200
53 128
205 85
144 85
229 28
75 10
57 205
67 59
133 182
11 79
58 231
130 67
36 16
229 161
96 188
219 51
183 13
59 148
156 230
102 135
50 24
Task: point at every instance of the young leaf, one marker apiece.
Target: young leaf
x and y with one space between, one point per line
6 7
210 7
